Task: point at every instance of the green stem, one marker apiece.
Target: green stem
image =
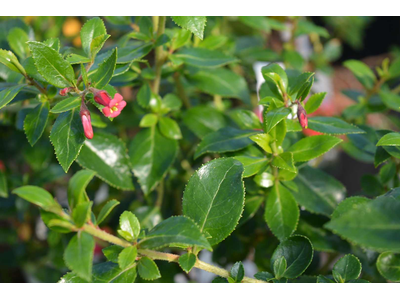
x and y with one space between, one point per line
181 90
159 55
160 193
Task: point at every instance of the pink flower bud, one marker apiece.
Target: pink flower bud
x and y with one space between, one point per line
302 116
101 97
64 91
115 107
86 122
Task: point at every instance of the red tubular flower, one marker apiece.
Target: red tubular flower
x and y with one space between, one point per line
101 97
86 122
302 116
114 107
64 91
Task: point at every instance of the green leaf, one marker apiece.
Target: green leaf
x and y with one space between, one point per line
252 165
266 276
274 116
106 210
324 279
169 128
378 218
52 66
237 271
112 252
314 102
127 257
35 122
293 60
111 272
252 204
17 38
53 43
75 59
105 71
214 197
256 22
37 196
78 255
106 155
77 186
281 212
203 120
3 185
93 36
144 95
204 58
67 137
390 99
362 72
71 278
347 268
390 139
187 261
130 225
264 179
298 253
221 82
134 52
332 125
148 120
8 59
151 155
81 213
177 231
8 94
148 269
280 266
388 265
347 205
245 119
387 172
312 147
284 161
194 24
66 105
317 191
172 101
307 27
226 139
275 73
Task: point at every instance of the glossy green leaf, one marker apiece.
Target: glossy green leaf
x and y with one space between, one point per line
280 266
52 66
214 197
169 128
390 99
112 252
106 210
148 269
224 140
77 187
194 24
78 255
93 36
298 253
281 212
317 191
35 122
81 213
221 82
347 205
148 120
127 257
387 172
265 179
266 276
390 139
106 155
275 73
75 59
129 224
284 161
237 272
8 59
187 261
67 137
252 165
37 196
314 102
312 147
144 95
274 116
66 105
245 119
172 101
332 125
105 71
200 57
177 231
388 265
134 52
8 94
203 120
324 279
347 268
374 224
251 206
17 38
151 155
362 72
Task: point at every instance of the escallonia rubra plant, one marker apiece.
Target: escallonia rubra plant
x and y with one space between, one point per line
203 172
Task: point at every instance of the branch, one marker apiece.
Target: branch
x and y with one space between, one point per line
159 53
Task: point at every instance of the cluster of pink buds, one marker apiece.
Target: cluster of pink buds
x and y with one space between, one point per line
112 107
302 115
